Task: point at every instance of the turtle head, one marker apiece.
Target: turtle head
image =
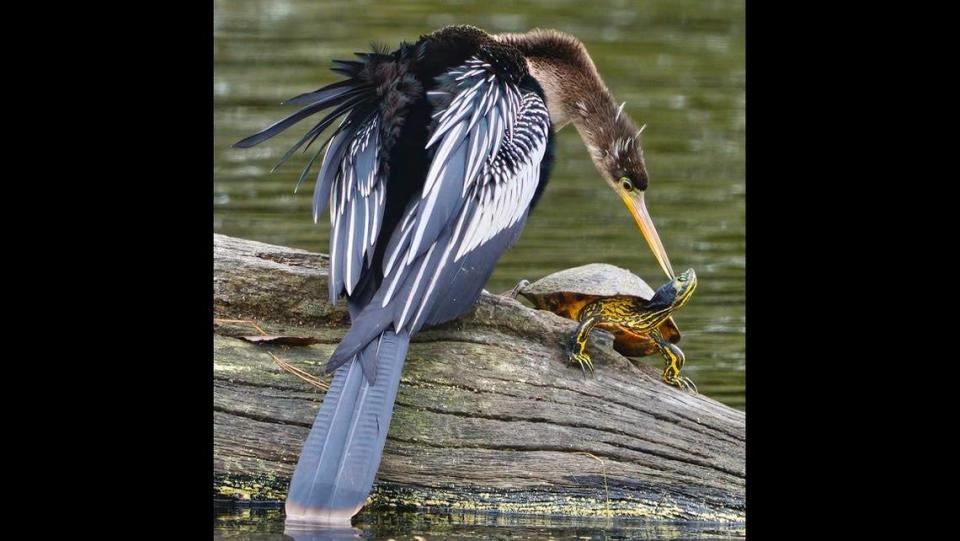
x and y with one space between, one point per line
675 293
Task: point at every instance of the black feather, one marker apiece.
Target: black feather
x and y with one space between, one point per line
319 101
349 67
331 90
279 126
306 170
328 171
322 125
349 72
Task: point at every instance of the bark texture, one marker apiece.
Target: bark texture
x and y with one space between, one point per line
490 415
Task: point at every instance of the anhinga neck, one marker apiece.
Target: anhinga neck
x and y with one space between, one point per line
573 87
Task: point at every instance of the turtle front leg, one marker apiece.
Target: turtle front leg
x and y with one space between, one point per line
578 343
675 359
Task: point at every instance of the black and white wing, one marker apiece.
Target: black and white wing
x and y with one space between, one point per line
490 138
354 173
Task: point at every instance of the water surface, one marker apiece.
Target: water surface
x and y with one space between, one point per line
266 524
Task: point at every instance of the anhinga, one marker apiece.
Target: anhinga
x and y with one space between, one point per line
443 149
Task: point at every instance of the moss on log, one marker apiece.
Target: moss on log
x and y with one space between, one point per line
490 416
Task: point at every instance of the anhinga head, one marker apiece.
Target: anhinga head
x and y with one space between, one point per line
618 156
576 94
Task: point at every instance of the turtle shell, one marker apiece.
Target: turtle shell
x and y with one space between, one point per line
595 279
566 292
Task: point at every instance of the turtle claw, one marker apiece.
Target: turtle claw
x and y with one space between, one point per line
576 346
584 360
687 384
681 382
521 285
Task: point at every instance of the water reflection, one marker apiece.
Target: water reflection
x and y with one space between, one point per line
302 533
266 524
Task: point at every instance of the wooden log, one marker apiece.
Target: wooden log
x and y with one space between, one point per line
490 415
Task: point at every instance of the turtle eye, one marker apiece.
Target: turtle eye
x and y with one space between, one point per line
626 183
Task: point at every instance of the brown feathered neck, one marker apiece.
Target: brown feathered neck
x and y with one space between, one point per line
576 93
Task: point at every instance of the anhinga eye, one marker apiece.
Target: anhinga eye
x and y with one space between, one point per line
626 183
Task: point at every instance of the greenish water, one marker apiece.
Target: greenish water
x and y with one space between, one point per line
266 524
679 65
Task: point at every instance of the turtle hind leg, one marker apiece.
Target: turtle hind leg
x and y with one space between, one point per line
516 289
577 346
675 359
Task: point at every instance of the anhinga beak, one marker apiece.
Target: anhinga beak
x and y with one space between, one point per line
634 202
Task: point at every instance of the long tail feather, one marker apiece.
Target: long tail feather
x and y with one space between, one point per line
342 453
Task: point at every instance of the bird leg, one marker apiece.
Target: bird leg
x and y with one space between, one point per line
516 289
675 359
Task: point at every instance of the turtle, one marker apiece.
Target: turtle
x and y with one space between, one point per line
618 301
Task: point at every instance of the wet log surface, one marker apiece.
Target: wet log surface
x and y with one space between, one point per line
490 416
